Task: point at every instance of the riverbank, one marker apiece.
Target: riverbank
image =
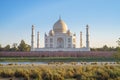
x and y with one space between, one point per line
58 59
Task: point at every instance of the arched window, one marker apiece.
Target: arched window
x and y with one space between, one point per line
51 40
60 43
46 40
69 40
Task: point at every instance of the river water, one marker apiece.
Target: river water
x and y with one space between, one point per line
5 63
76 63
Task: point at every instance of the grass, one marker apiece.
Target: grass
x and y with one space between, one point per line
60 72
58 59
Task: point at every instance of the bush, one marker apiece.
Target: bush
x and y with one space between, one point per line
7 73
56 76
47 75
35 75
22 73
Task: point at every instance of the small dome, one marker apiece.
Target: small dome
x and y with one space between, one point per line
68 32
60 27
51 33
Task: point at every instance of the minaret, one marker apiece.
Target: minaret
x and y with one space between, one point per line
32 38
38 40
80 39
87 36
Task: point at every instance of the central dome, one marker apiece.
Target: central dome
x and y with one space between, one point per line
60 27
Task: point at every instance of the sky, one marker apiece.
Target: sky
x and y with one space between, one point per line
102 16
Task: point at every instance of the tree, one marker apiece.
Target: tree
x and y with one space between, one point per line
117 55
23 46
118 41
1 49
14 47
105 48
7 48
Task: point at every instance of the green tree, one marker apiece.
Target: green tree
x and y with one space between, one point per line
14 47
0 47
118 42
105 48
117 55
23 46
7 48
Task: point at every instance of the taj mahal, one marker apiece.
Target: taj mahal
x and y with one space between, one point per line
60 38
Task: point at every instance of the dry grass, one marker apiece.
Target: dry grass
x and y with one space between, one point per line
60 72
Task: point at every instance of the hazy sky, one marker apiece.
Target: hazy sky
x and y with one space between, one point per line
17 17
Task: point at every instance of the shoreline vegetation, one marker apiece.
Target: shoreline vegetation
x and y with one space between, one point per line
60 56
60 72
58 59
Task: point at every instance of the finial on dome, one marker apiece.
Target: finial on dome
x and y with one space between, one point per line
59 17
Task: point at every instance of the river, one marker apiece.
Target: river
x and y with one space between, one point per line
76 63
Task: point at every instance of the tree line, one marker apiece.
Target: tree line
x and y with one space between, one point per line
105 48
15 47
26 47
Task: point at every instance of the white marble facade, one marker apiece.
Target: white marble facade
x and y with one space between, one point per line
60 38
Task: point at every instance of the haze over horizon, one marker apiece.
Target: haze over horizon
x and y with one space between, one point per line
102 16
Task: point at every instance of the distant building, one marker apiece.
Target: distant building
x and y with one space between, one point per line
60 38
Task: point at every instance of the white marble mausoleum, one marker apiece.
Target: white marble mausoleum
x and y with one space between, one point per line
60 38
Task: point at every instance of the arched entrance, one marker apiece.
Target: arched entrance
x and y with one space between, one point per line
60 43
